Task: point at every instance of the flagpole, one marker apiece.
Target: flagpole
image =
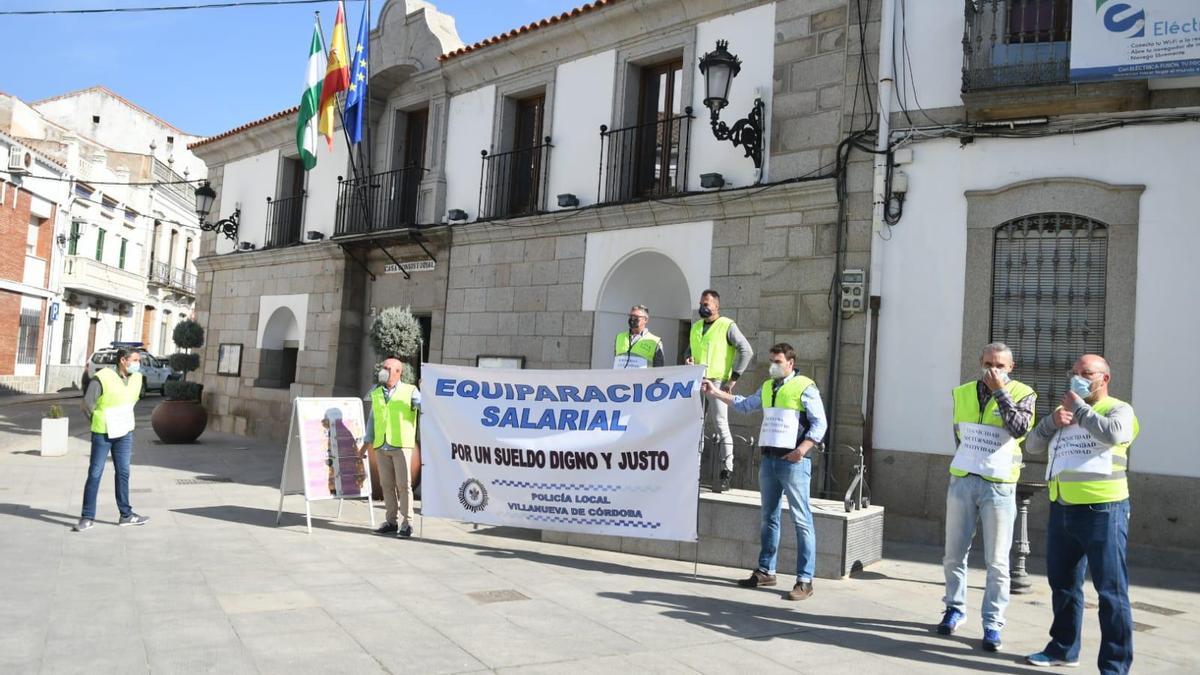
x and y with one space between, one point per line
364 148
345 134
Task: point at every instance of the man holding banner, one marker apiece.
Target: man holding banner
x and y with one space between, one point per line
992 414
638 347
793 424
392 430
1088 438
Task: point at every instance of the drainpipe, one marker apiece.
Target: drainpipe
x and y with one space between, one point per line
887 72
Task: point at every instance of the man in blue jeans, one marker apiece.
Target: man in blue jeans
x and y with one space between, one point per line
109 403
793 424
1088 439
992 413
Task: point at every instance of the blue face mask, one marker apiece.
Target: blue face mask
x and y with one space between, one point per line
1081 386
135 367
1004 378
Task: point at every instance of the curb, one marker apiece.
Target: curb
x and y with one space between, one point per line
18 399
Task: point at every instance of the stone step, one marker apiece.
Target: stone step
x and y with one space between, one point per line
729 524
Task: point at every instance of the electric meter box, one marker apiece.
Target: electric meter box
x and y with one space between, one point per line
854 292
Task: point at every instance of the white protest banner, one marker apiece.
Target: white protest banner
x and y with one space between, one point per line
612 452
1074 448
1117 39
984 450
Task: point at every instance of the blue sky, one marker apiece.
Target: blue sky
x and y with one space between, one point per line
204 71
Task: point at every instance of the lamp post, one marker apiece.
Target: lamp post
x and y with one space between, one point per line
719 67
205 196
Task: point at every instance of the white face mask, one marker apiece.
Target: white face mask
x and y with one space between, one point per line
382 376
779 371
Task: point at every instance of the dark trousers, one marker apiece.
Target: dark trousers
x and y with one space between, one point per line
121 449
1079 538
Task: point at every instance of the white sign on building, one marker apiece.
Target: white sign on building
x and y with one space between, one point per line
1120 39
411 266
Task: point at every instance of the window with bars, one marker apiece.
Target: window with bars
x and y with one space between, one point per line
27 336
68 336
1049 272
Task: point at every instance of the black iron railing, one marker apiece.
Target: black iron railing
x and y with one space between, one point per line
284 219
644 160
381 201
1016 43
513 183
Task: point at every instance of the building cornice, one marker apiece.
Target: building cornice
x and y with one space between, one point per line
323 250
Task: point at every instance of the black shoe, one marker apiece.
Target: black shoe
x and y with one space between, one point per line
386 528
723 481
405 532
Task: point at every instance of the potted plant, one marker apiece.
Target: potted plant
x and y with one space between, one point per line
54 432
181 418
396 332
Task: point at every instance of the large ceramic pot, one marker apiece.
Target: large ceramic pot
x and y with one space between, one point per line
179 421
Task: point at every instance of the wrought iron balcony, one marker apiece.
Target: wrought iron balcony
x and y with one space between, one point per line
162 274
284 219
644 160
513 183
1016 43
381 201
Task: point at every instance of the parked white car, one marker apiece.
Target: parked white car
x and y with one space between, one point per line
156 372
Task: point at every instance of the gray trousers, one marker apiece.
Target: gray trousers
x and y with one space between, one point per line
716 421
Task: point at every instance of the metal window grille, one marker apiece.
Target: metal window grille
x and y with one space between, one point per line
1016 43
27 336
1048 294
118 331
68 329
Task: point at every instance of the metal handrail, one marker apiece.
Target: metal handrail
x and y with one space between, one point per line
377 202
284 219
644 160
1016 43
513 183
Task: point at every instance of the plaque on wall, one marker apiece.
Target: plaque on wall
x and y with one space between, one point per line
229 359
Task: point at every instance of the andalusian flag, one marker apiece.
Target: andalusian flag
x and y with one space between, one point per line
337 75
306 126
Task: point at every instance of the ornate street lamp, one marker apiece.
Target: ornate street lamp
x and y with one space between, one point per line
205 196
719 67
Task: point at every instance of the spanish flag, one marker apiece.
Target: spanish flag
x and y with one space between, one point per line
337 75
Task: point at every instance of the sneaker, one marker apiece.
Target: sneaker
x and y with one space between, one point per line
1044 660
723 481
386 528
404 532
991 640
132 519
950 621
757 578
803 590
83 524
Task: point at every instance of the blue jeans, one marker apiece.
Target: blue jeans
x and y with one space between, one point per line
1078 538
970 499
777 477
121 449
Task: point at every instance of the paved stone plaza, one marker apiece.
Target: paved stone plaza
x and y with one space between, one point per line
211 585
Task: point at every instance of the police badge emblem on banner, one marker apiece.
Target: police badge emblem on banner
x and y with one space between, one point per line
591 451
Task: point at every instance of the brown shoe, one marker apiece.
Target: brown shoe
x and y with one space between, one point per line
757 578
803 590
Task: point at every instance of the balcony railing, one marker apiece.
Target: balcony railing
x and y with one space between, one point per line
174 184
381 201
163 274
1016 43
284 219
644 160
513 183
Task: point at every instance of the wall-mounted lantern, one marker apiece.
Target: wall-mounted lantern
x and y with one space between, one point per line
205 196
719 67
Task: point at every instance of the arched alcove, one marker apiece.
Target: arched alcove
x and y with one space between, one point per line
644 277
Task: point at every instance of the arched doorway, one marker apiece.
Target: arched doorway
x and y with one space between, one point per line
644 277
279 350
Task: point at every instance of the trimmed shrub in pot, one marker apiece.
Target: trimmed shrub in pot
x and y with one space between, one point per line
181 418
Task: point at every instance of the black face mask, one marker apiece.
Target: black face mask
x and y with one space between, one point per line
705 312
633 323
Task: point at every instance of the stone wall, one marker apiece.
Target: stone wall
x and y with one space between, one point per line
228 306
